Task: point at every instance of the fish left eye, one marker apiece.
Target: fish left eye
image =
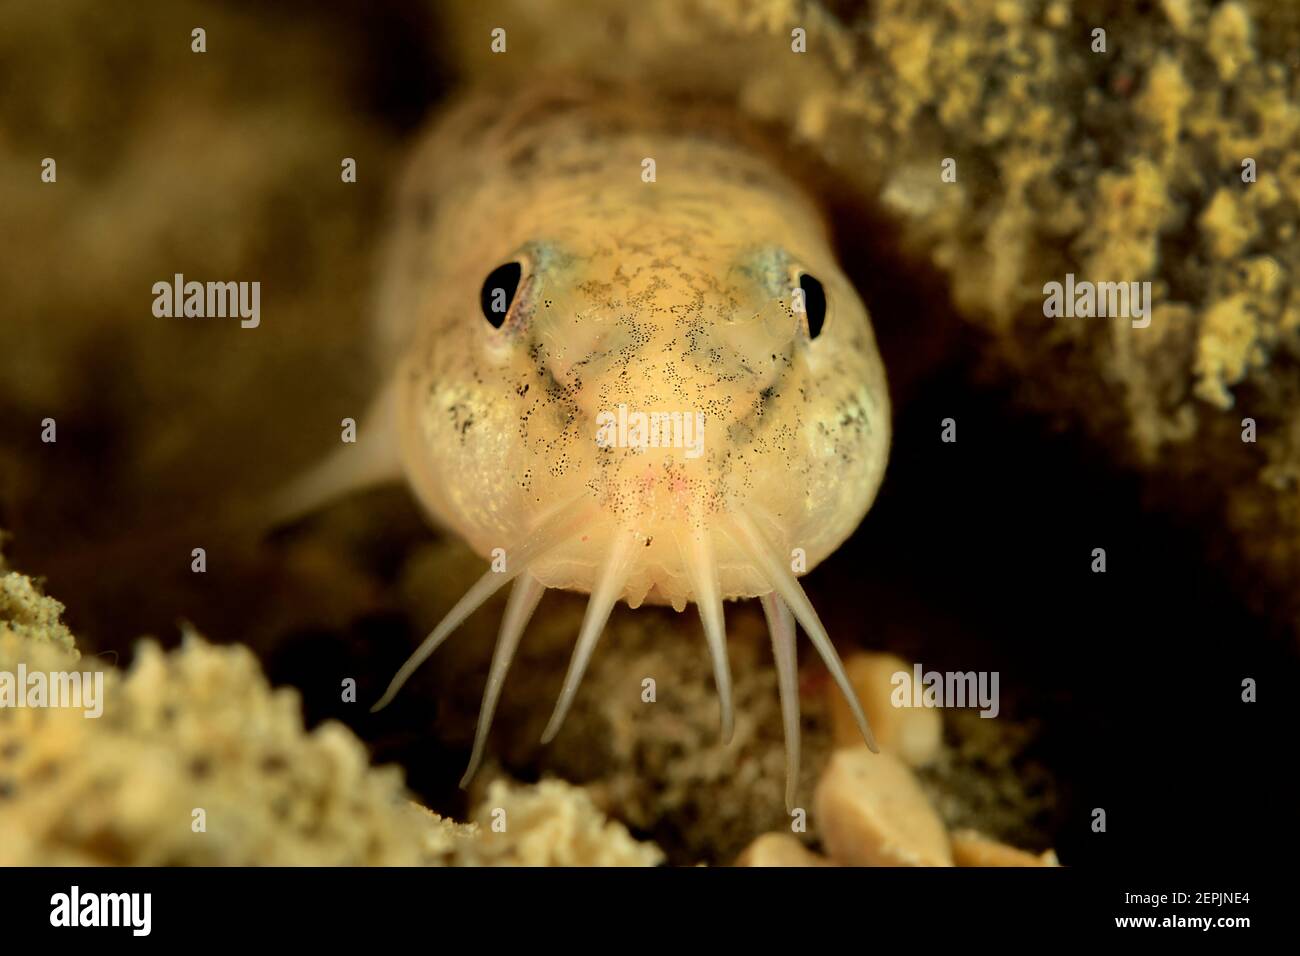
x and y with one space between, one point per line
498 292
814 303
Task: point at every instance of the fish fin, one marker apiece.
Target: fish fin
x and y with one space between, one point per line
373 459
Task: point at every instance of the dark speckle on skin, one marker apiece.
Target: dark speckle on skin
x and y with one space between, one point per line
664 301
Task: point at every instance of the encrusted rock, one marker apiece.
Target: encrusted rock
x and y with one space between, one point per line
550 824
196 760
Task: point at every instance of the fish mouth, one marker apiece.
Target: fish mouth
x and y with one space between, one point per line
698 547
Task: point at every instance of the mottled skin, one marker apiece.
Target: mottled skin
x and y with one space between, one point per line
672 295
667 296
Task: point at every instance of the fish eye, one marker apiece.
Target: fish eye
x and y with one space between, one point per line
814 303
498 292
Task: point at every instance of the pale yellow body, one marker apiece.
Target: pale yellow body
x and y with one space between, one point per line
660 248
673 296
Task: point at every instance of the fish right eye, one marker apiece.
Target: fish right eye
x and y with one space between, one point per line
498 292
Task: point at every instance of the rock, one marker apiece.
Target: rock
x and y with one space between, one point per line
871 811
913 733
194 729
972 848
201 728
550 823
780 849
